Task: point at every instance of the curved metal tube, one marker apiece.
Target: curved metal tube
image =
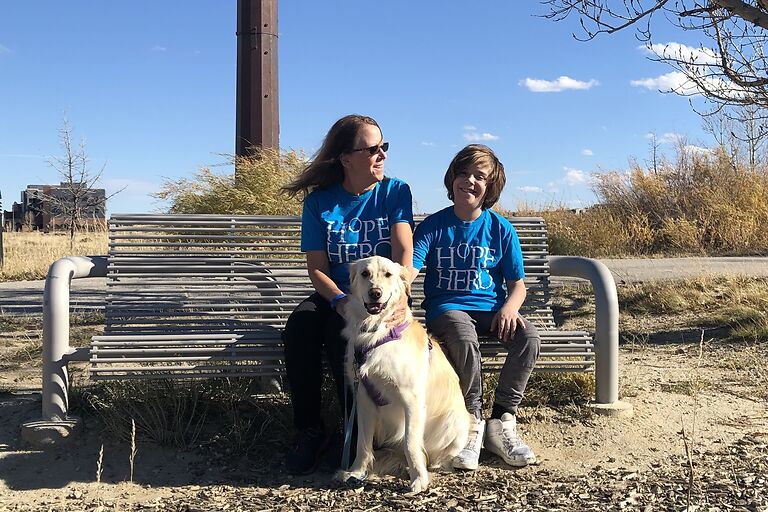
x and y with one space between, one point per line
606 320
56 328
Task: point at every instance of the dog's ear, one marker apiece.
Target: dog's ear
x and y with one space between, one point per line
405 275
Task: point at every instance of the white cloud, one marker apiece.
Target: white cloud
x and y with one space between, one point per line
527 188
158 48
666 138
430 144
478 137
678 51
673 81
563 83
587 152
4 50
469 128
574 176
697 149
678 82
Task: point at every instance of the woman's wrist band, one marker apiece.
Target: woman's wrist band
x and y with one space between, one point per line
336 299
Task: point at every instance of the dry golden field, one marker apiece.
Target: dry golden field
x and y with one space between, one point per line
28 255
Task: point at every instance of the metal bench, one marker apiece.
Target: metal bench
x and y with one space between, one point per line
199 296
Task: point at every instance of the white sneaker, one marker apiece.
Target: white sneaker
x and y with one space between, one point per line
501 438
468 457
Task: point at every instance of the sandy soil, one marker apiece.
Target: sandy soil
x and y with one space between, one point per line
708 391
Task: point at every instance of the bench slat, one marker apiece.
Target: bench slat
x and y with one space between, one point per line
193 296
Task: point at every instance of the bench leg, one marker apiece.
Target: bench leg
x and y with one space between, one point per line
606 329
56 425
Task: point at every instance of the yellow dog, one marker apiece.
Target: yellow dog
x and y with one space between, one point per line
409 400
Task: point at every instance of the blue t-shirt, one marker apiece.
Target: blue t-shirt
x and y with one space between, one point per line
349 227
467 262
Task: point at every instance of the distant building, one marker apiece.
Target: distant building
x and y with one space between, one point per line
45 207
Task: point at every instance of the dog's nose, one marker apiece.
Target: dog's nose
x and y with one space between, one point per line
375 293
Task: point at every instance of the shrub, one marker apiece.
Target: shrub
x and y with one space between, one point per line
703 203
254 188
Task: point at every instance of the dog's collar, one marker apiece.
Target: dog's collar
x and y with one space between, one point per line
395 333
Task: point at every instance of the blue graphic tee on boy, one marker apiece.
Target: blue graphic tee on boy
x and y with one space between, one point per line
467 262
350 227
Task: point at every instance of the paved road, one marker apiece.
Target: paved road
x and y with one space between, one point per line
651 269
26 297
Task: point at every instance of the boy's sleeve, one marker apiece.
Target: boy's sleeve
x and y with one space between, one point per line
512 259
313 228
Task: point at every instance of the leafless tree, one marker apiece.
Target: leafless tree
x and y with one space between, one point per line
78 183
752 132
742 134
729 66
654 147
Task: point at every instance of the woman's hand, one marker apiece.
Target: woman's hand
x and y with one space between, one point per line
505 322
341 306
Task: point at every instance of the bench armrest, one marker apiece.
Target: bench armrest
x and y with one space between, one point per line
606 320
56 349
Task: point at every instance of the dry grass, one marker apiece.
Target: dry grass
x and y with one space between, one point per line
737 303
221 413
29 254
698 204
254 192
732 309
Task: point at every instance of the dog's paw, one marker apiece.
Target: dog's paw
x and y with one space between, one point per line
350 479
341 476
419 484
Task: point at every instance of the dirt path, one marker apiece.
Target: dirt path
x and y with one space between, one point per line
586 462
713 401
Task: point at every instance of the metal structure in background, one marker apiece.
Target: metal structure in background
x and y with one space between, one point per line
257 114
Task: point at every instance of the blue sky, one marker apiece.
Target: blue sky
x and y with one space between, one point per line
150 86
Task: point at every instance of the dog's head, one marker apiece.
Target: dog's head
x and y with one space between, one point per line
378 282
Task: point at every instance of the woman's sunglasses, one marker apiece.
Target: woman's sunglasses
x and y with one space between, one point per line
384 146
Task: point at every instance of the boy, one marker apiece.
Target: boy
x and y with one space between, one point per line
474 286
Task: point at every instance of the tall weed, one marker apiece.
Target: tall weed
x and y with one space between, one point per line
252 190
702 203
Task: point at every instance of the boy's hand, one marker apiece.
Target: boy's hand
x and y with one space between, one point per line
505 322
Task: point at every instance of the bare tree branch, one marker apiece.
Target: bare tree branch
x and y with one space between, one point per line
729 66
77 194
756 15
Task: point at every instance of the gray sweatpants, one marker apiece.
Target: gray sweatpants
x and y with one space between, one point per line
458 331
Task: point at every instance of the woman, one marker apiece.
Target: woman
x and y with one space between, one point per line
351 211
